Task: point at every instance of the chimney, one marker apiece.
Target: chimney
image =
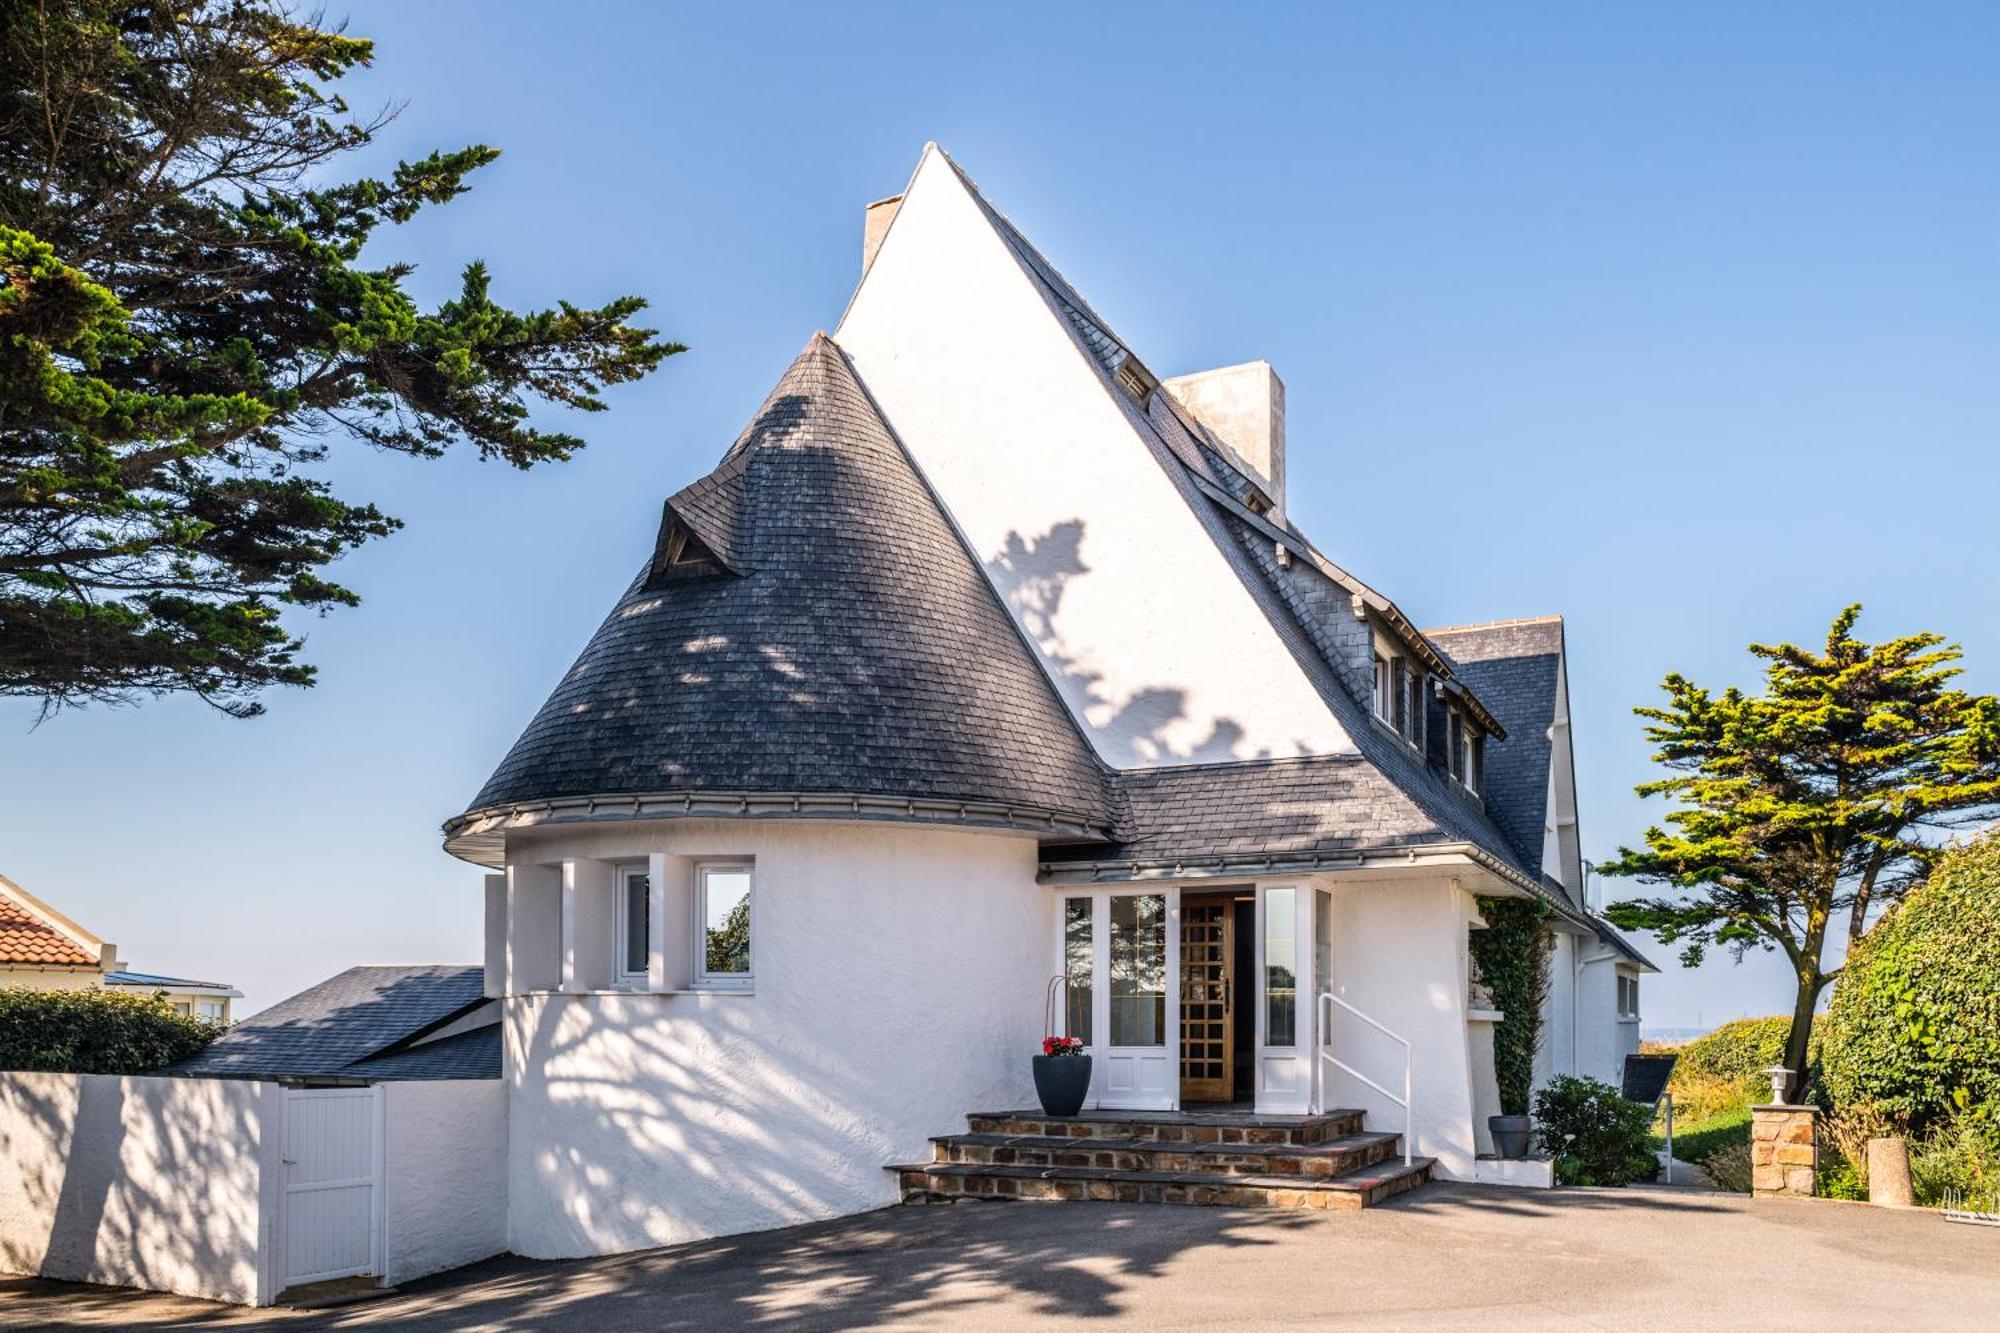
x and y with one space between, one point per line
880 214
1244 408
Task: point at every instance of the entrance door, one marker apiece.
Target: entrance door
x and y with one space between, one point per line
1208 974
332 1161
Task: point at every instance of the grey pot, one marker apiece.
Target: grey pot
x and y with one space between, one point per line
1062 1081
1512 1134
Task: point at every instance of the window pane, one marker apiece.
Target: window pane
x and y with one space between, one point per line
1281 998
638 923
1077 964
1139 970
726 908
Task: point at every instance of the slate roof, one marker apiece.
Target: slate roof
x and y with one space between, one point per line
471 1054
332 1029
1512 665
856 649
28 941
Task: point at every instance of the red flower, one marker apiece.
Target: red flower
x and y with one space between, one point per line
1062 1046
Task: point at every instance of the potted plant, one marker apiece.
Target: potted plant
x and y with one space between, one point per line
1062 1075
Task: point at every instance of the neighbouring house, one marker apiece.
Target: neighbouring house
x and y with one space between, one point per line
41 949
210 1001
988 665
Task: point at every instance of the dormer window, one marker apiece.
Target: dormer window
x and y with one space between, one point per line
1399 694
1464 749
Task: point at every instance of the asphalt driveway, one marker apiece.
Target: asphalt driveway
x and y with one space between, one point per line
1445 1257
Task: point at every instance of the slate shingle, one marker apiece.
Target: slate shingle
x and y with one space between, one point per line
325 1029
861 650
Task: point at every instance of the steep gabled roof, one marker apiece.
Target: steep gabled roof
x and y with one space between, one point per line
852 646
1514 666
325 1030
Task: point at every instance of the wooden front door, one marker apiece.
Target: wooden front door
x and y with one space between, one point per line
1208 1043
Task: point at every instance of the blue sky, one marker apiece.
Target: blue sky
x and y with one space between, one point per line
1679 320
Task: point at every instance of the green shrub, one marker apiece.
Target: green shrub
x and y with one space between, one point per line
1735 1051
1962 1153
95 1032
1698 1140
1596 1136
1914 1027
1512 955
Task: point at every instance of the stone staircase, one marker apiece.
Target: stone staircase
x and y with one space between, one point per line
1227 1158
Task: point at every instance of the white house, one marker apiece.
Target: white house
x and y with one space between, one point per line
988 656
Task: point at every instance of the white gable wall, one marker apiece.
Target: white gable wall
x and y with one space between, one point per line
1149 634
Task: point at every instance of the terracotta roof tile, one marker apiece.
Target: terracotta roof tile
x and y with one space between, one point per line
27 940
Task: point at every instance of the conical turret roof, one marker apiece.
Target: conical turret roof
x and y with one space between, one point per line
810 623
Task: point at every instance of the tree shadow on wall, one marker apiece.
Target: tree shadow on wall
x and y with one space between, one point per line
1032 575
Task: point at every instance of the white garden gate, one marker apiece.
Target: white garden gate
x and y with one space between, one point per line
333 1184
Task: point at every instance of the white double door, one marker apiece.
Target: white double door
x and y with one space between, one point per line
1120 949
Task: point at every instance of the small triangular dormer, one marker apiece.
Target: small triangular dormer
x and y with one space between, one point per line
680 553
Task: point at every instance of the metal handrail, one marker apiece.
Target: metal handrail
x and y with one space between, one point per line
1327 999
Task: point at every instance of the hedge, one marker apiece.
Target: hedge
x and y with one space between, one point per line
1913 1031
95 1032
1742 1049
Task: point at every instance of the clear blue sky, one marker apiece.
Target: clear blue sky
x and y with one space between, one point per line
1679 320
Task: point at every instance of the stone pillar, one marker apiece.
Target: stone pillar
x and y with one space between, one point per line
1784 1154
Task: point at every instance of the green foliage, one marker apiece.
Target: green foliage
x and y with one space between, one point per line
1961 1154
1819 798
1838 1179
1742 1049
95 1032
1596 1136
186 325
1913 1032
728 947
1512 955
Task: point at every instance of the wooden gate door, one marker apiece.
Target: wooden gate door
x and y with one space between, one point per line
1208 1043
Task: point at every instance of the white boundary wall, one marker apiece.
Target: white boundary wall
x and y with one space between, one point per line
159 1183
176 1184
444 1176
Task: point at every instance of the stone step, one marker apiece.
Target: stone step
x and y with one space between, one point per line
1174 1126
941 1181
1317 1160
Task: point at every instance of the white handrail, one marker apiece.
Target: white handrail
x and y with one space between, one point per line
1327 999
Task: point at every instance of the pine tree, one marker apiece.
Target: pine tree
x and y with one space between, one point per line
187 328
1825 797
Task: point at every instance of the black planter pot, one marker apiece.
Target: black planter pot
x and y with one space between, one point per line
1512 1134
1062 1081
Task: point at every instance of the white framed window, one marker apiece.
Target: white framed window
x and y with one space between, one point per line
634 914
723 921
1628 996
1384 687
1474 760
210 1010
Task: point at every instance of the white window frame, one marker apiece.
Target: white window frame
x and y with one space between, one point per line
1384 687
703 978
622 927
1628 984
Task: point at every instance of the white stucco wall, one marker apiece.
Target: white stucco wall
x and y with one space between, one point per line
899 976
145 1182
1399 956
1043 467
1555 1052
445 1175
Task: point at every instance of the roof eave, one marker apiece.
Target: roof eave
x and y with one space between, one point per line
479 836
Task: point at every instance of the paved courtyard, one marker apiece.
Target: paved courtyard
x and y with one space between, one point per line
1446 1257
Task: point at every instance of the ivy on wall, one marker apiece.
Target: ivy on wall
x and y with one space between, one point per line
1512 956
